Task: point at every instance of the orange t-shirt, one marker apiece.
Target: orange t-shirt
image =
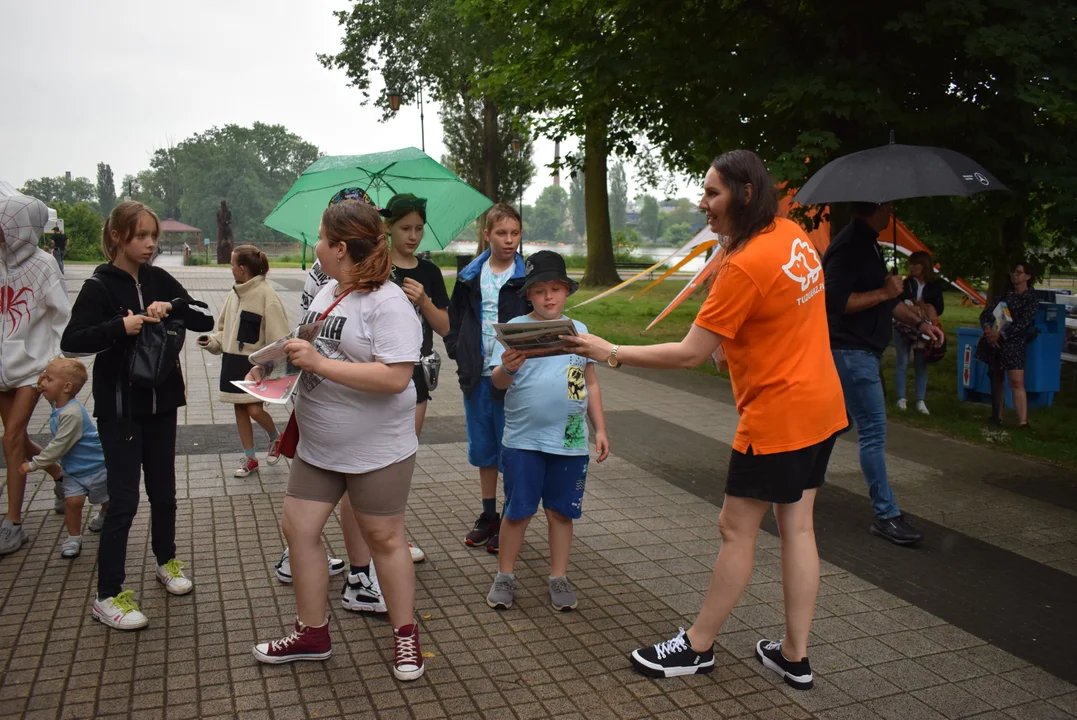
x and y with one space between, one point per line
767 303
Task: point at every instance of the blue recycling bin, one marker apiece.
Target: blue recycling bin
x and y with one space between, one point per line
1043 361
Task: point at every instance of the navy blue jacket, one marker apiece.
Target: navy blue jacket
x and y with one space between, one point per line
464 341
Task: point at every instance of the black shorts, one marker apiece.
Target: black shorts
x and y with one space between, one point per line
422 392
779 477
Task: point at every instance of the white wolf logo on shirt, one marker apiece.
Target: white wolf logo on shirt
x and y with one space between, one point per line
803 265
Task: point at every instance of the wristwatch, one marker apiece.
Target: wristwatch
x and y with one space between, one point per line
612 360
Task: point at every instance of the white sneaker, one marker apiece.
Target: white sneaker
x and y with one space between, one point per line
120 612
417 555
921 406
361 595
284 567
171 576
98 522
902 405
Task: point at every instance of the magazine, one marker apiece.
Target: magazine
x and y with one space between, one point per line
1002 316
538 338
280 378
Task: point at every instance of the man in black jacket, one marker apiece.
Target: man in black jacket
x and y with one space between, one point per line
487 291
861 298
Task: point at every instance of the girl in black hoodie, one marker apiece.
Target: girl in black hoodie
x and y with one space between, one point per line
137 425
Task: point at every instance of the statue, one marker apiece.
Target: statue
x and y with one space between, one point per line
225 239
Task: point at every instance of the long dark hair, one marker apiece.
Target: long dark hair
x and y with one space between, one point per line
739 168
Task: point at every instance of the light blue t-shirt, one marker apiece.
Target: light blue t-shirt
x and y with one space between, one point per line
491 284
546 405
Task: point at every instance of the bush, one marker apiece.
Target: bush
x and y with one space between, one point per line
82 225
197 259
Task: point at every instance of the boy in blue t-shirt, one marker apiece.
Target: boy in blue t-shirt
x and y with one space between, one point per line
76 446
545 452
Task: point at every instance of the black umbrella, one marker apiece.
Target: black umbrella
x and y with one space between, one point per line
896 172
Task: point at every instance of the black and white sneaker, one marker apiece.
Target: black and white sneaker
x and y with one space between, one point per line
361 594
796 674
672 658
284 567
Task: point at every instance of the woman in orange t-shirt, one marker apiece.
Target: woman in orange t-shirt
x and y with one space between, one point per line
767 312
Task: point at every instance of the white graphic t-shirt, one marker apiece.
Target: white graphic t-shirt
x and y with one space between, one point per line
348 430
491 284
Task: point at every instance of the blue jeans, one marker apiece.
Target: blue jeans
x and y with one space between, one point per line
903 348
863 389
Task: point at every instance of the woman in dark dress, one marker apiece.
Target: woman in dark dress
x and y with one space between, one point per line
1004 351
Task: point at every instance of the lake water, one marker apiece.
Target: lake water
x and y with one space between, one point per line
656 252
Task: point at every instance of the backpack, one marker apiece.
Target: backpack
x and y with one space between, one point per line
156 350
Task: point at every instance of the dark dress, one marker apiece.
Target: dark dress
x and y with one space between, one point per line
1010 354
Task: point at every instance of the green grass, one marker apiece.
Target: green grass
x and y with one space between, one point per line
1053 437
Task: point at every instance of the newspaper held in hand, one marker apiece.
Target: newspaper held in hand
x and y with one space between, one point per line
1002 316
280 378
540 338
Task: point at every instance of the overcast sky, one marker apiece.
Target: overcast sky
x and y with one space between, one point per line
110 81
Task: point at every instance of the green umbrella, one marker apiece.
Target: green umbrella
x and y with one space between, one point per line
451 204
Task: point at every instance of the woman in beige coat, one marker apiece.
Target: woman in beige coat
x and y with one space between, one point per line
253 316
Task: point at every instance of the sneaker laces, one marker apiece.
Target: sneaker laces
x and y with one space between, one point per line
482 523
503 585
773 645
407 649
674 645
174 568
285 642
560 585
125 602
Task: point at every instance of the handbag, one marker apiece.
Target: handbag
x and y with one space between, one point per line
157 347
289 439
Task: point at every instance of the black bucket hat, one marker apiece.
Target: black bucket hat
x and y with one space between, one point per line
545 266
403 203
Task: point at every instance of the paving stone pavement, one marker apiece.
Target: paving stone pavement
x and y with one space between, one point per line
641 561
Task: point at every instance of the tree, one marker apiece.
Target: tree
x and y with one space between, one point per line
461 120
648 217
618 196
577 204
684 213
678 234
106 189
426 44
547 221
60 189
992 79
82 225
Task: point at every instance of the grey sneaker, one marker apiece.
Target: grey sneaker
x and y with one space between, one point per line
58 493
71 548
12 537
502 592
98 522
562 596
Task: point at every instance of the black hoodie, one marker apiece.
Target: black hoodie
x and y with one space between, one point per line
97 327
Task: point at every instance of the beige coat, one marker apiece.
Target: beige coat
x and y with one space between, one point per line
253 316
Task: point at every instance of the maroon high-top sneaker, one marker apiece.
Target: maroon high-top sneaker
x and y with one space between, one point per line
305 643
408 660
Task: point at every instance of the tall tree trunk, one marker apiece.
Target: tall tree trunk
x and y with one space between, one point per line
1011 248
491 151
600 270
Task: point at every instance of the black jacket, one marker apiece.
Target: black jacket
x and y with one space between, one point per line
932 294
854 264
464 341
96 326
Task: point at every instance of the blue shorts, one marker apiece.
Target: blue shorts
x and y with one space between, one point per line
557 480
95 487
485 419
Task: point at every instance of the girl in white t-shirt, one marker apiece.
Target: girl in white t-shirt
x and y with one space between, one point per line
356 414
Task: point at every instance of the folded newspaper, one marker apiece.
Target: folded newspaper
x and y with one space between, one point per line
280 379
537 339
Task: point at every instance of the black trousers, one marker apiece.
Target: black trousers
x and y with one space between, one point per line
131 448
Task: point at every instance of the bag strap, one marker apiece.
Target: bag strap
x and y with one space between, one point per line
329 309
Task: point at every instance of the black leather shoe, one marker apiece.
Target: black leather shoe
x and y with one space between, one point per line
896 530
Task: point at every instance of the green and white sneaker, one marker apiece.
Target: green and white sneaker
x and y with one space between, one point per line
171 576
120 612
